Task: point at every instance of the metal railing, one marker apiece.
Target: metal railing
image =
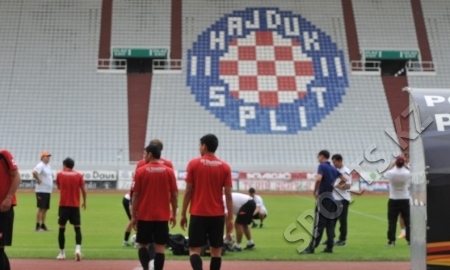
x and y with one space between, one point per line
167 66
423 66
112 65
366 66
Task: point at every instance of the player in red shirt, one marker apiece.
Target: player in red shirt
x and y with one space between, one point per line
155 193
70 183
9 182
208 178
142 162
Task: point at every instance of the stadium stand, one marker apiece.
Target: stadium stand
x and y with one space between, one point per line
436 14
53 98
51 95
356 123
385 24
141 23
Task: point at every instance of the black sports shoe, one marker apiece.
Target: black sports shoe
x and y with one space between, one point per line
307 251
44 228
235 248
391 244
261 225
340 243
249 246
327 250
254 225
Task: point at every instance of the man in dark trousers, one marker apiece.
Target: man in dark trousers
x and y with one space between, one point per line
326 208
399 179
343 196
208 178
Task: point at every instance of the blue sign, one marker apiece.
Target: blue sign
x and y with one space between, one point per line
266 71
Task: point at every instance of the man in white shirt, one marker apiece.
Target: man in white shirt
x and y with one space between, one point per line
342 197
399 179
260 211
44 186
243 207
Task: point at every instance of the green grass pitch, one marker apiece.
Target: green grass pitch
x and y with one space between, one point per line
104 221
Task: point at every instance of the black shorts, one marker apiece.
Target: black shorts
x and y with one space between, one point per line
203 229
43 200
6 227
152 232
68 213
245 214
126 205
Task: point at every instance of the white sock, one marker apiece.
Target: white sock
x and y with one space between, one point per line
238 245
250 242
152 263
77 248
61 251
403 231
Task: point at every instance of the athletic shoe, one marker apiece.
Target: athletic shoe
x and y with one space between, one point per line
151 265
402 235
235 248
61 256
44 228
339 243
254 225
228 246
327 250
307 251
249 246
126 244
261 225
77 256
390 244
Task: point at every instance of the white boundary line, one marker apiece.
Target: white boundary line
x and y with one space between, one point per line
353 211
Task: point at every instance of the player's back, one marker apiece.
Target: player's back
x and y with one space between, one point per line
154 183
69 183
399 183
209 175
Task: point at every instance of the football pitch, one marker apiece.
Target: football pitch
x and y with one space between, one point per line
104 221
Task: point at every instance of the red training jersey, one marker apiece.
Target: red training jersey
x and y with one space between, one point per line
7 165
208 175
69 183
154 184
142 162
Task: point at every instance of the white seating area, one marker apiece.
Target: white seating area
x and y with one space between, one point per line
385 24
141 23
436 14
53 99
51 95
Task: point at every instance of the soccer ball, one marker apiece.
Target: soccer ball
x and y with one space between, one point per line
133 240
229 243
